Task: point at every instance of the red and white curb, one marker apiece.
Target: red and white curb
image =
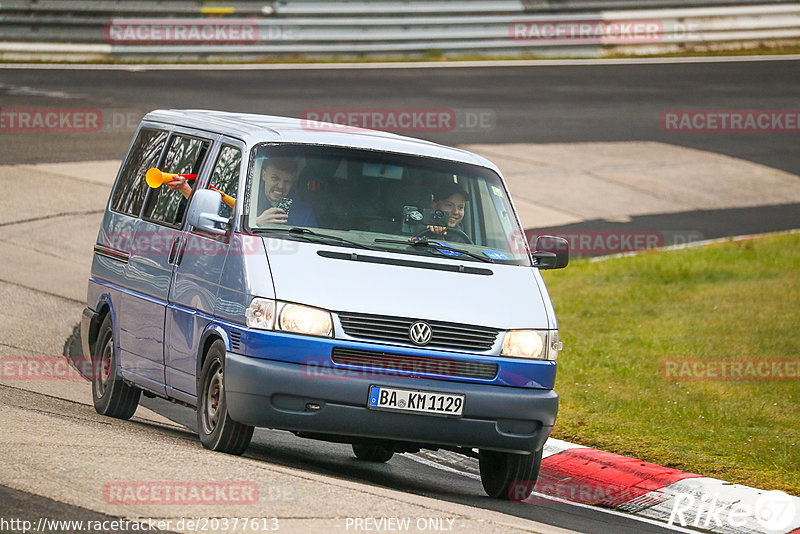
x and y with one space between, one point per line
579 474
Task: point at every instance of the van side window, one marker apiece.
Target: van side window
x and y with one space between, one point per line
225 176
184 156
131 188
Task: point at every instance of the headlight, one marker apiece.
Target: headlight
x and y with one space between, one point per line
535 344
293 318
299 319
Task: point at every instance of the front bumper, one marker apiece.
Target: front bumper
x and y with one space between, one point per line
285 395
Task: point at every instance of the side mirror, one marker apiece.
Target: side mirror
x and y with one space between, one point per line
203 212
550 252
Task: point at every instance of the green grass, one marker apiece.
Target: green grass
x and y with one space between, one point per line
618 319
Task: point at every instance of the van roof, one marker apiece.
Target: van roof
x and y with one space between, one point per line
252 129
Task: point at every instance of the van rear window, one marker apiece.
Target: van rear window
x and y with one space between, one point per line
185 155
131 187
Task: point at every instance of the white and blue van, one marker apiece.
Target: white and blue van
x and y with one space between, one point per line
343 284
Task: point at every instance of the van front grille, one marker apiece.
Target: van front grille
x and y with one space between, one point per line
386 361
396 329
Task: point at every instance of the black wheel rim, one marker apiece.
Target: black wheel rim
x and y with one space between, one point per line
213 399
103 367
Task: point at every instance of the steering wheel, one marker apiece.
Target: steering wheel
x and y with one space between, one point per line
460 236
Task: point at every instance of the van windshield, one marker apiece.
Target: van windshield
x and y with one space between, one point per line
384 201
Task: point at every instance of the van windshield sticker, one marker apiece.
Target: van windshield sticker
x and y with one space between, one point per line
496 254
448 252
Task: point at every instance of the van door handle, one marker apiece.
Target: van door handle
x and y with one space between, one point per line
173 249
181 249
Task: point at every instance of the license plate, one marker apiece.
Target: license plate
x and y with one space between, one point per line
405 400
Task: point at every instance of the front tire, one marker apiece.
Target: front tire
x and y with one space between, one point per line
509 476
217 430
110 395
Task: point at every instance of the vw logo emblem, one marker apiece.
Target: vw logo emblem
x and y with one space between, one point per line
420 333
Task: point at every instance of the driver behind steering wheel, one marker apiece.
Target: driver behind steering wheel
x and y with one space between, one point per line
453 199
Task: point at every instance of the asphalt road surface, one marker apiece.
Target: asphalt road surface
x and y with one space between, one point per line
403 472
519 104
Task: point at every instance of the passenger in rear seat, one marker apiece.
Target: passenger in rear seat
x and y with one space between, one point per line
278 175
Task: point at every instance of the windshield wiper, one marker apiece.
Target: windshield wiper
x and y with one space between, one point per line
423 242
312 236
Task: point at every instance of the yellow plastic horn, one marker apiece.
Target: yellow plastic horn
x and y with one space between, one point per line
155 178
227 199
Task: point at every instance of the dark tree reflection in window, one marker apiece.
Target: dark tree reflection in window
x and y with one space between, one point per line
226 175
184 156
131 188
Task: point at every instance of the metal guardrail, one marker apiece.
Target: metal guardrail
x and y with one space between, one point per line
248 29
344 7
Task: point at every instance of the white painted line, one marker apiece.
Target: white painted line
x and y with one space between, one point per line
554 446
405 64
